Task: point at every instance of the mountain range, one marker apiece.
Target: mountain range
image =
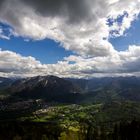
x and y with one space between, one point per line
52 88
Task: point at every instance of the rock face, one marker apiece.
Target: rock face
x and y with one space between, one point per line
48 87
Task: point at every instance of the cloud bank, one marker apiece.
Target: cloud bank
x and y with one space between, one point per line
80 26
124 63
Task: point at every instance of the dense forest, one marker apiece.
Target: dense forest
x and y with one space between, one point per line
49 131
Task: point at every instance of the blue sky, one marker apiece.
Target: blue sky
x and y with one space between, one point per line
46 51
132 37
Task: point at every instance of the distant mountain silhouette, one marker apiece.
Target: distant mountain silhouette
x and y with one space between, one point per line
124 88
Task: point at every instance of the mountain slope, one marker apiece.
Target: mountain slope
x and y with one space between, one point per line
110 88
50 88
5 82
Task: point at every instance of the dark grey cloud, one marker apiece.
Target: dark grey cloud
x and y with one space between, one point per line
132 66
2 3
73 10
10 13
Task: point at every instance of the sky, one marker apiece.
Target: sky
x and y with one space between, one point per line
69 38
